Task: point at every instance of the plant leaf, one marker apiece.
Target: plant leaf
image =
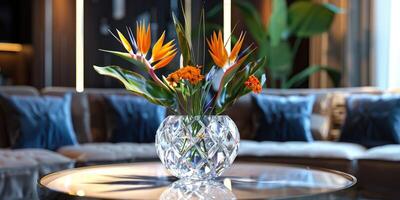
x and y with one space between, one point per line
139 85
278 21
128 58
280 60
214 11
229 73
235 87
252 19
258 64
307 18
183 42
302 76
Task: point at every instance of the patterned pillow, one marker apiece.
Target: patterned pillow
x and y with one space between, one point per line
38 122
132 119
284 118
372 120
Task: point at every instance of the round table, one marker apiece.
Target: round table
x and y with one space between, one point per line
150 180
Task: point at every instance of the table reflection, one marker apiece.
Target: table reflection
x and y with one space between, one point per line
130 183
152 181
184 189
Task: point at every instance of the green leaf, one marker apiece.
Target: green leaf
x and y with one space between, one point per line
184 44
139 85
280 60
263 48
278 21
209 28
303 76
235 88
230 73
128 58
308 18
214 11
252 19
258 64
333 8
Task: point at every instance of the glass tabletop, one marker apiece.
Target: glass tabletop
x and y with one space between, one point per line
151 181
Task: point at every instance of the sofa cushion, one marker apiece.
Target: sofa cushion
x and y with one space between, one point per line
98 111
320 127
242 112
29 157
21 169
320 117
330 103
132 119
38 122
389 152
12 90
317 149
284 118
106 152
79 111
372 120
324 154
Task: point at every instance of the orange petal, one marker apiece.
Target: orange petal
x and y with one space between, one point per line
147 36
237 47
165 61
216 60
155 54
223 53
165 52
161 51
166 49
124 42
217 49
143 37
139 39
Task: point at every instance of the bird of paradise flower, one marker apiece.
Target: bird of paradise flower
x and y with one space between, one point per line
185 90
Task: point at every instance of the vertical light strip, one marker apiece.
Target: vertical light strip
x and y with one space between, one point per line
188 16
79 45
394 45
380 43
48 43
227 24
188 25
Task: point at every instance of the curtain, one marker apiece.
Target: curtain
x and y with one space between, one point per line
347 46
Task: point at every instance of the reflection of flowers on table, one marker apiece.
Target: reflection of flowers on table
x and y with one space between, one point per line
136 182
178 189
184 189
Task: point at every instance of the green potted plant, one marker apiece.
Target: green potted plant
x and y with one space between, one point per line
300 20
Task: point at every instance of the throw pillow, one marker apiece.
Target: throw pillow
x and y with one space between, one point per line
132 119
284 118
372 120
38 122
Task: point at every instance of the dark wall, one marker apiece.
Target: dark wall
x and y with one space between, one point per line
302 59
15 27
64 34
15 21
22 20
99 18
62 42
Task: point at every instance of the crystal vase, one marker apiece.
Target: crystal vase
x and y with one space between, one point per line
197 147
183 189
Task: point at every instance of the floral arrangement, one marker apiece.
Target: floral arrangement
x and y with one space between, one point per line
188 90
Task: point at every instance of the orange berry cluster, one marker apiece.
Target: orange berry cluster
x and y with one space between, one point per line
253 84
189 73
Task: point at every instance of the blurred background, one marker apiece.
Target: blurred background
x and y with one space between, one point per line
334 43
351 46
